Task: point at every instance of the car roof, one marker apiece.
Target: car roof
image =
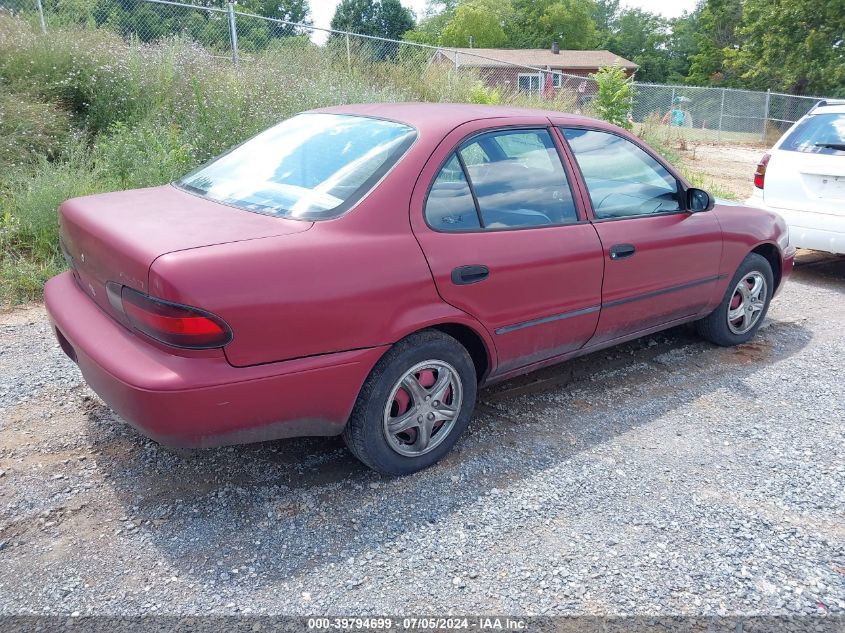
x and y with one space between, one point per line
834 108
444 117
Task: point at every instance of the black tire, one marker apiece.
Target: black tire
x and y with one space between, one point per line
365 433
715 327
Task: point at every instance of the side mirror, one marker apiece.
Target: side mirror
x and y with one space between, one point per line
699 200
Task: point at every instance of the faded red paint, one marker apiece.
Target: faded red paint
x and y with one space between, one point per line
314 305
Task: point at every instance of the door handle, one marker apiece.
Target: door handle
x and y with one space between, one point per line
463 275
622 251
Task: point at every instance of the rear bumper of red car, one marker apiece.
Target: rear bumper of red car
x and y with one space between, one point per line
203 401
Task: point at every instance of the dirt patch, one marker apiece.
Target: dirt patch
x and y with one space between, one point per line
731 167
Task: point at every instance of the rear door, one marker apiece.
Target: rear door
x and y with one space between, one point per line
807 169
506 240
661 262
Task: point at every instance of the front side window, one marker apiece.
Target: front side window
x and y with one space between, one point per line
518 179
818 134
622 179
311 167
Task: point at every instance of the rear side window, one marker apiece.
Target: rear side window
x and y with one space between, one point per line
517 179
450 206
311 167
622 179
818 134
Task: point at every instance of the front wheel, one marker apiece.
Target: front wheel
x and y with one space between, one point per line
414 405
744 305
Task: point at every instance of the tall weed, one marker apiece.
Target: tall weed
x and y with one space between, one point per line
84 111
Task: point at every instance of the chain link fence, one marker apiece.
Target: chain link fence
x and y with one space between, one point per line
686 113
718 114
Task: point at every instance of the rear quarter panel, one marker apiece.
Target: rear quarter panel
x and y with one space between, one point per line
358 281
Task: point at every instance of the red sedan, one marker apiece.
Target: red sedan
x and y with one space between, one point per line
361 270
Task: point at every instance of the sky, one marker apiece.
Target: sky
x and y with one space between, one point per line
323 10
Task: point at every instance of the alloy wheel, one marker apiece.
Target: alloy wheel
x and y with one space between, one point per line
747 303
423 407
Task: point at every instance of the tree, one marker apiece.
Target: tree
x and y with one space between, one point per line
378 18
605 14
568 22
642 37
439 7
538 23
288 10
794 45
395 20
430 29
357 16
717 32
480 19
682 45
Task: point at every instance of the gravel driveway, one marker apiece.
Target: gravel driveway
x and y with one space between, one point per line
666 476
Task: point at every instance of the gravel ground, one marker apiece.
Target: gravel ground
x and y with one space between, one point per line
666 476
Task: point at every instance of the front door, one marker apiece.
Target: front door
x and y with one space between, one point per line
506 242
661 261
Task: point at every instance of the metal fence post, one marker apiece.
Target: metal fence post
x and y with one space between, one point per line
41 15
766 114
233 33
721 115
348 53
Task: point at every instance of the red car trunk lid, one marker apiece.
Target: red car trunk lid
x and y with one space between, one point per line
117 236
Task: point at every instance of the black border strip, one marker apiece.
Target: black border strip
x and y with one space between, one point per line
610 304
662 291
548 319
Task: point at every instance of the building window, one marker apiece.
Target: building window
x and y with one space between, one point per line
529 82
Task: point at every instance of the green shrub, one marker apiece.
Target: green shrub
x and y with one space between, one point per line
142 156
613 99
480 93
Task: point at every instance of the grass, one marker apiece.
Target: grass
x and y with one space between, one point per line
83 111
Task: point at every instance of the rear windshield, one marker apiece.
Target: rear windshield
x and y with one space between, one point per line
310 167
818 134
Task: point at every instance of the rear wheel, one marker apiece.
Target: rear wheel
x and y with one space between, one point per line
744 305
414 405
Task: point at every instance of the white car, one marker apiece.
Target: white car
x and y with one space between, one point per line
802 178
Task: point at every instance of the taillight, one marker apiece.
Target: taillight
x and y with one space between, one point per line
760 174
172 323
